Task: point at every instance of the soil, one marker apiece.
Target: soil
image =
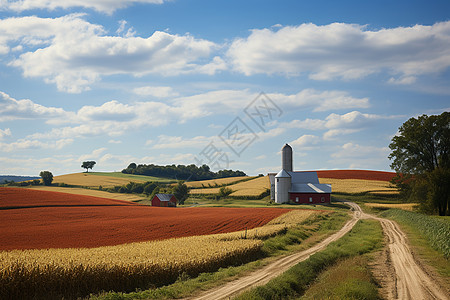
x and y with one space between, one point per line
402 276
32 219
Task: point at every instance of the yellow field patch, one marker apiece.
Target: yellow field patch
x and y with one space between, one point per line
86 179
404 206
213 182
254 187
87 192
358 186
157 261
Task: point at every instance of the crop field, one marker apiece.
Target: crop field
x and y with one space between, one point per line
356 174
34 219
359 186
214 182
89 192
254 187
342 181
404 206
95 179
74 269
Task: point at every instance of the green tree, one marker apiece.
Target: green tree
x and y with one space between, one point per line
181 192
420 156
225 191
88 165
47 177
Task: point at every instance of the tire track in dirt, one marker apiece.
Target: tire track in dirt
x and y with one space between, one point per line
411 281
265 274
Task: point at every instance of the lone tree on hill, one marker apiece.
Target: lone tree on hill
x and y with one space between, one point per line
421 157
47 177
88 165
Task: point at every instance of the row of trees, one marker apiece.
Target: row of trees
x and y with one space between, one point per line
421 157
180 172
150 188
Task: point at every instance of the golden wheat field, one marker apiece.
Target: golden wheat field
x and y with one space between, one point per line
214 182
88 192
91 180
404 206
358 186
254 187
78 272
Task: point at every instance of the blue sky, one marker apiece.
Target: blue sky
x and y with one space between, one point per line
225 83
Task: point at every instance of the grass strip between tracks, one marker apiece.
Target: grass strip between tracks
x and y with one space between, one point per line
365 237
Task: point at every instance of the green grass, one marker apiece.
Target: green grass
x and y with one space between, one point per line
348 279
131 176
365 237
305 235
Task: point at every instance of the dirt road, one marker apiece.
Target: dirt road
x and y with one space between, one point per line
411 282
265 274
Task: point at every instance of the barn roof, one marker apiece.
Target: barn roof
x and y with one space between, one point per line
164 197
310 188
304 177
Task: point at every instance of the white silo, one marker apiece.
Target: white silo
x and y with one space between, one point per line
282 186
286 158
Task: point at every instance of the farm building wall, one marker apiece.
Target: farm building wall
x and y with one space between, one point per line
157 202
310 198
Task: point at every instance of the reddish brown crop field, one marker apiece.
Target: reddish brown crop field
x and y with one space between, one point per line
356 174
32 219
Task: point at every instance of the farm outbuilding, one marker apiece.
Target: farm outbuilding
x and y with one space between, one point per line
164 200
297 187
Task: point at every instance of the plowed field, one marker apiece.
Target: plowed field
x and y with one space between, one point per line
32 219
356 174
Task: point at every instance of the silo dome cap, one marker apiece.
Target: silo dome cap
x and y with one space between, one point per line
287 146
282 174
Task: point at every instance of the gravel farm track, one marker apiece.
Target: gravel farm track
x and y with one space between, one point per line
411 281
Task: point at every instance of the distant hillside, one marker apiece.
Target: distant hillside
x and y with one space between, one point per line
4 178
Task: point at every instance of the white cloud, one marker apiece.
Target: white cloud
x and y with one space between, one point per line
30 144
306 142
156 91
115 142
104 6
351 150
73 53
12 109
95 154
344 51
336 124
179 142
5 132
353 155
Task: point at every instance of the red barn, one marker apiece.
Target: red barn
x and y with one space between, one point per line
164 200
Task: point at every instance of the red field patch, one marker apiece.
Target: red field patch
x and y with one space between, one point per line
356 174
32 219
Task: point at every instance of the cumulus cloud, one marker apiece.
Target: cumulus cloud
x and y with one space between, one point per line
343 51
306 142
12 109
156 91
336 124
104 6
5 132
30 144
74 53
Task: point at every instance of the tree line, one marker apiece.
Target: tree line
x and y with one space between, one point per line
180 172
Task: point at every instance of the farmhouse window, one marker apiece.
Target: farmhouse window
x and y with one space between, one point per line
323 199
310 199
296 199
